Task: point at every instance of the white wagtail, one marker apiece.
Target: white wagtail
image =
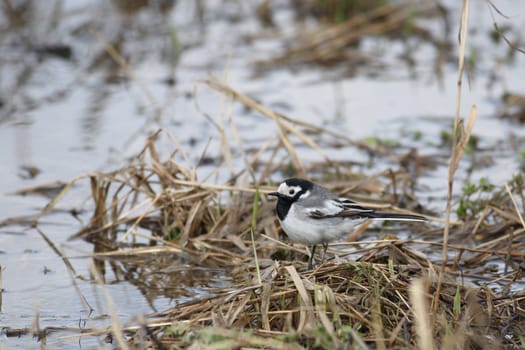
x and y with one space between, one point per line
312 214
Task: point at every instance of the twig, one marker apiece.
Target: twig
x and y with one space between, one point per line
458 145
423 326
69 267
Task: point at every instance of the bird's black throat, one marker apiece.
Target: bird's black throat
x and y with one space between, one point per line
283 206
284 203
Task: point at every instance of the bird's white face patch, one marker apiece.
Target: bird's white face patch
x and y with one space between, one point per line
289 191
304 195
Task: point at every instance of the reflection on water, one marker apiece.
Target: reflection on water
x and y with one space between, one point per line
164 276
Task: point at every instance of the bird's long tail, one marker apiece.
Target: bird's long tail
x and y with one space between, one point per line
378 215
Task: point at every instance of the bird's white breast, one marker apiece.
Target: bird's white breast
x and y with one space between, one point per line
303 229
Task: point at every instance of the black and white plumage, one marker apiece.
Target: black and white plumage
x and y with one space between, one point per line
312 214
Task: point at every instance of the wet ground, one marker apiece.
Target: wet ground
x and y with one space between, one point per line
66 109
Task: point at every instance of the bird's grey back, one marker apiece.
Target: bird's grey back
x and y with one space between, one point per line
318 195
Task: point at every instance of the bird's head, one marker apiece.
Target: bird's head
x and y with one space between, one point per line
293 189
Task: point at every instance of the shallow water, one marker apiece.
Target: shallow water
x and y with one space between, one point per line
68 117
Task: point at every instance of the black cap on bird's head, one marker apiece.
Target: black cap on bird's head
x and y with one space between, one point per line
300 185
291 189
304 184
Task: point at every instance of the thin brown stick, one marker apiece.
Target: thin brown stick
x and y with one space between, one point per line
456 148
423 325
117 57
69 268
116 328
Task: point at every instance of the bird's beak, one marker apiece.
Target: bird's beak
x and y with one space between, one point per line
274 194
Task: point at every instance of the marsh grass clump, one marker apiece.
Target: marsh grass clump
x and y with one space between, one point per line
336 305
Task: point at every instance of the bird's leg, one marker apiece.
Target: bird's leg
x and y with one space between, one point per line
311 259
325 246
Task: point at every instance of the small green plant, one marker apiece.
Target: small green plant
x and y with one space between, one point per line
517 182
457 303
322 337
374 141
522 340
521 159
289 337
181 331
445 137
391 269
211 336
472 144
472 59
173 234
345 333
289 170
254 226
175 45
473 199
498 33
363 271
416 135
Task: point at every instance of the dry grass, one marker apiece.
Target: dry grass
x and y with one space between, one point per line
460 137
325 306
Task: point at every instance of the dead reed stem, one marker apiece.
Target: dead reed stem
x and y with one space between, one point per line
69 267
424 329
518 212
117 57
116 328
459 142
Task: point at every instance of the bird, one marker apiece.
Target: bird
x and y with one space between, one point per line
312 214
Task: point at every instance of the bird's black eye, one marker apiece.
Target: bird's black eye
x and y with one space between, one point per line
291 192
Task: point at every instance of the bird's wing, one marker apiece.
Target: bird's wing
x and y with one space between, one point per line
340 207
